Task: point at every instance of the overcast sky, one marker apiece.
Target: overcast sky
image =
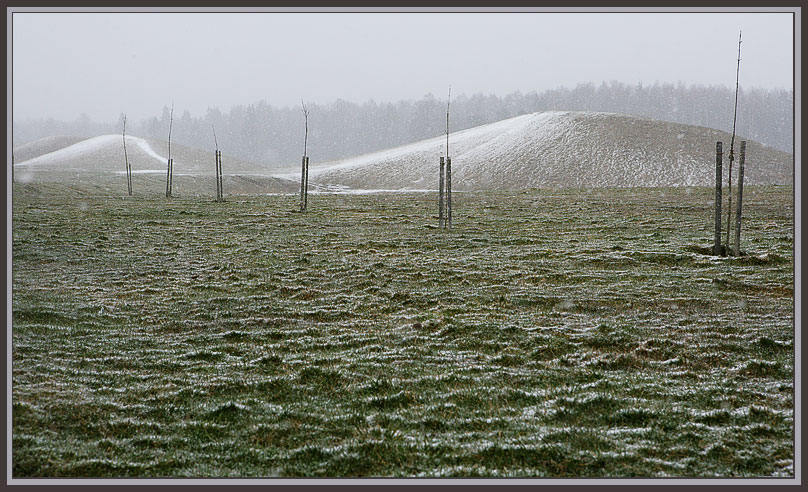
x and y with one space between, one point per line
104 64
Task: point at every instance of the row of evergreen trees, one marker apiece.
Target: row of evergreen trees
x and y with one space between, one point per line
273 136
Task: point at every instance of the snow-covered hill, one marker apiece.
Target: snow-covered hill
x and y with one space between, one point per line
43 146
557 149
105 154
103 158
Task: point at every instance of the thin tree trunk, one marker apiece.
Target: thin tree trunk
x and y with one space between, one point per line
732 146
126 160
441 184
170 172
217 156
740 200
718 179
304 172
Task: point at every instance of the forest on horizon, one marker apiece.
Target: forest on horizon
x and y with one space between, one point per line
273 136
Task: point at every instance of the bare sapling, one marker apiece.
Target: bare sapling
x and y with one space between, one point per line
217 156
732 145
170 170
126 159
448 167
304 171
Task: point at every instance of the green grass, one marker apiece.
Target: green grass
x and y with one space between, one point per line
549 334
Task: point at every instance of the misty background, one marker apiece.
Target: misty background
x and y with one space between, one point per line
374 81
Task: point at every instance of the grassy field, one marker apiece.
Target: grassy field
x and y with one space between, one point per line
575 333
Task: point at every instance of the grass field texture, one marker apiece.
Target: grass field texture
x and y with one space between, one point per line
573 333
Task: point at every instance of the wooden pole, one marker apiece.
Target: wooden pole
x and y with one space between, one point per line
441 220
221 176
740 198
718 178
306 194
218 176
729 197
449 192
302 182
168 178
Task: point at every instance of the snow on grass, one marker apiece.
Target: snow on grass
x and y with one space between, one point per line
242 339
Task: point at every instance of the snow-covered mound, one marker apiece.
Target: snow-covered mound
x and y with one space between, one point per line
105 154
100 161
43 146
558 149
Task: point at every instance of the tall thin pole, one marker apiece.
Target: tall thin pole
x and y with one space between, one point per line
448 101
448 222
732 144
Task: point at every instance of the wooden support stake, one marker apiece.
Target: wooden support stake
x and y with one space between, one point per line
221 176
740 198
449 192
441 220
306 195
168 179
302 182
218 184
718 177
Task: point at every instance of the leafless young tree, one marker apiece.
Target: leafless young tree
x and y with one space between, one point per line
304 173
448 167
126 159
218 155
732 144
170 170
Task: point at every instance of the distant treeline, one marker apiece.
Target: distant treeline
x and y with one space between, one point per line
274 136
